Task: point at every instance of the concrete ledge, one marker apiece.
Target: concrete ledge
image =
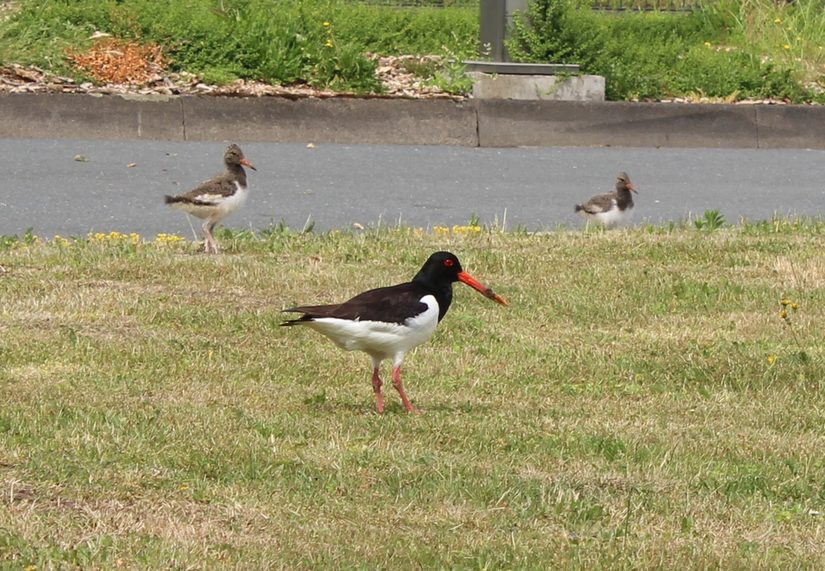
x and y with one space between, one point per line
335 120
538 87
78 116
791 126
504 123
486 123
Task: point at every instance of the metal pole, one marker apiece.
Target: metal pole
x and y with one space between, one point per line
491 29
495 17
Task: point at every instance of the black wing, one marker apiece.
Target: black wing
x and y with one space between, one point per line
393 304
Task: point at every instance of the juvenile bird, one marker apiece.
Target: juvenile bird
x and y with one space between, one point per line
611 208
215 199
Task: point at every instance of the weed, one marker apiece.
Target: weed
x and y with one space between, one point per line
711 220
788 309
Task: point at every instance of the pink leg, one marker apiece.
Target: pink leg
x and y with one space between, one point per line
207 238
210 239
396 382
376 386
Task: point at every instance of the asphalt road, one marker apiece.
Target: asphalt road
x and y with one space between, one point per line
46 189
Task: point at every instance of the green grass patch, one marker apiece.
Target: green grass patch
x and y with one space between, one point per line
729 50
320 42
724 50
641 403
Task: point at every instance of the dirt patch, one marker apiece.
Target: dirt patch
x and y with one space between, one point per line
110 60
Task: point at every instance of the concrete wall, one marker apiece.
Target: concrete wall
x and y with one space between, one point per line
505 123
77 116
487 123
334 120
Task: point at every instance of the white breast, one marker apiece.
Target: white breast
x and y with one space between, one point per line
228 204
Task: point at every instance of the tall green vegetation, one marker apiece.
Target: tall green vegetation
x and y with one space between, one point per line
716 51
320 42
728 49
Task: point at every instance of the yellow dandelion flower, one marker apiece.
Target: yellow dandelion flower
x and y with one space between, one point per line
707 44
777 20
771 359
327 24
466 229
794 306
166 239
329 43
783 314
787 46
785 302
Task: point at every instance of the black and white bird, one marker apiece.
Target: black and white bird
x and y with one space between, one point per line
387 322
215 199
611 208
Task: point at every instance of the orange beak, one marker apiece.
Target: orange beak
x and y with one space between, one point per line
629 187
481 288
246 163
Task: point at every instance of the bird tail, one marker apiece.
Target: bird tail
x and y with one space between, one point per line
297 321
172 199
578 207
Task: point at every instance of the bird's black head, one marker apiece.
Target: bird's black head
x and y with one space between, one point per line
442 269
234 158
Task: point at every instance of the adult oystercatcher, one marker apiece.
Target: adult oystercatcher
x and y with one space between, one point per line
610 208
389 321
216 198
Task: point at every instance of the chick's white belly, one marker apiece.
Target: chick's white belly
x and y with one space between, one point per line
217 206
612 217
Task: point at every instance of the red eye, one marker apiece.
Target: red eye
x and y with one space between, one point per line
448 263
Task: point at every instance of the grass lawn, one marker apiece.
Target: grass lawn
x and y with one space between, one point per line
641 404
